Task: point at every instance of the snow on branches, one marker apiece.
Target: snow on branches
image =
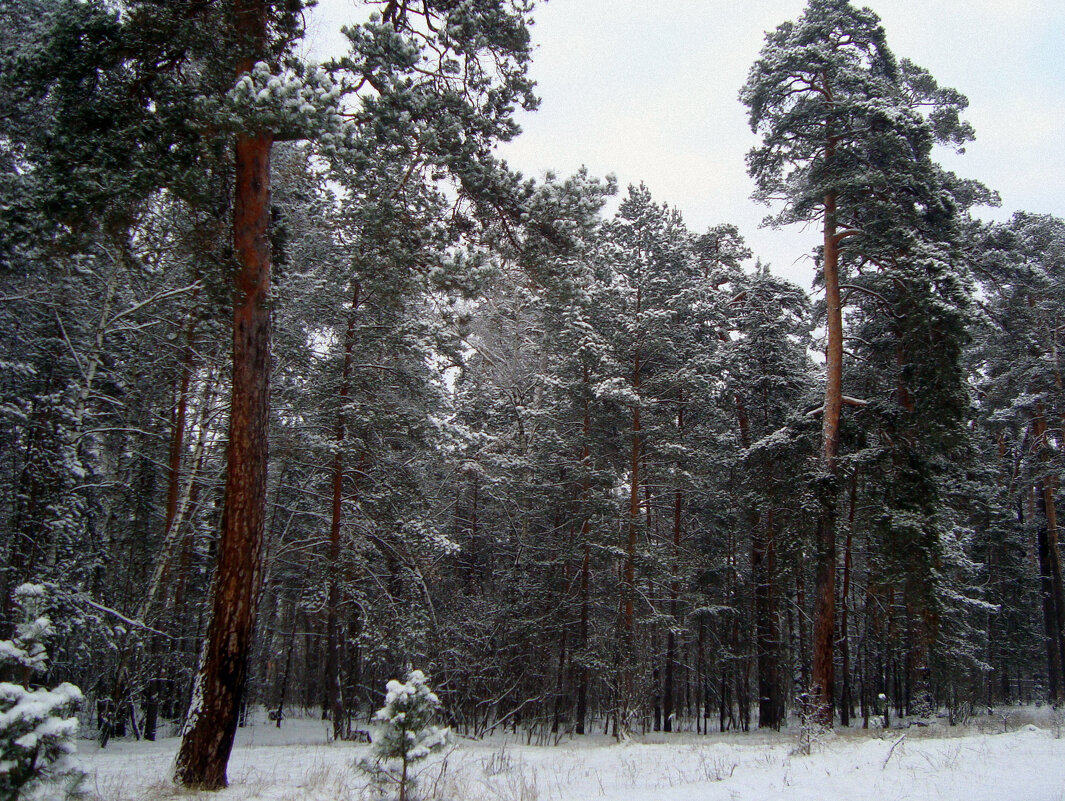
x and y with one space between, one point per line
37 727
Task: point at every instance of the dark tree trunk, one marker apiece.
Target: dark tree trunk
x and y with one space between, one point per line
845 703
1050 612
668 691
702 702
802 651
583 676
628 632
212 722
334 698
1053 552
586 560
153 689
560 680
767 647
177 428
1050 579
279 713
823 664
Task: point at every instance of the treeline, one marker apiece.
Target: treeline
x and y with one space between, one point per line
579 467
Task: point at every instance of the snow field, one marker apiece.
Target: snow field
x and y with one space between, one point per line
297 763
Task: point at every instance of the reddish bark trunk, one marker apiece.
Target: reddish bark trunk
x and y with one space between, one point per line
823 668
208 735
834 345
845 700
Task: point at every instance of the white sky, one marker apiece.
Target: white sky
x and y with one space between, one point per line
647 91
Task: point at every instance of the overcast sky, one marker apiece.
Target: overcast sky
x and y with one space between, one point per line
647 91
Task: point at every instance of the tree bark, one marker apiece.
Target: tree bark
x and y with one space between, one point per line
669 690
1051 516
334 697
628 634
586 526
797 623
767 638
823 667
583 678
207 737
846 704
586 560
1050 608
1050 565
177 427
120 259
674 594
560 679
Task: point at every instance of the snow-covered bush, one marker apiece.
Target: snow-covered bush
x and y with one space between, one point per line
812 731
37 727
407 733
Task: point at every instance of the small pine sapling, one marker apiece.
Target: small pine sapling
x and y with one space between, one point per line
37 728
407 733
812 729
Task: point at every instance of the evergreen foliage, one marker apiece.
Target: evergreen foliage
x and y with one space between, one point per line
37 727
580 462
406 732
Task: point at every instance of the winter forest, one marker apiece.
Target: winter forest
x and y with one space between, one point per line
304 389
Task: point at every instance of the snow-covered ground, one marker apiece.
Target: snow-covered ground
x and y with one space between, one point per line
298 763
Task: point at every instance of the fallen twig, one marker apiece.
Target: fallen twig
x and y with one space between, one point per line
892 751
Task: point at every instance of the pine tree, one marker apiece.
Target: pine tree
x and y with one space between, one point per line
847 135
407 733
259 29
655 315
768 377
1022 399
37 728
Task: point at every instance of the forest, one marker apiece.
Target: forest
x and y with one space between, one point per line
303 387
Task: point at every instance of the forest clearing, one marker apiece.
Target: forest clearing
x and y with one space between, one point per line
986 761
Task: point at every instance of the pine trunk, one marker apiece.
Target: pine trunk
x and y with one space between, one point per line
846 702
1050 581
668 690
586 561
177 429
628 634
583 676
767 648
334 697
1054 553
823 667
560 679
212 721
1050 610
